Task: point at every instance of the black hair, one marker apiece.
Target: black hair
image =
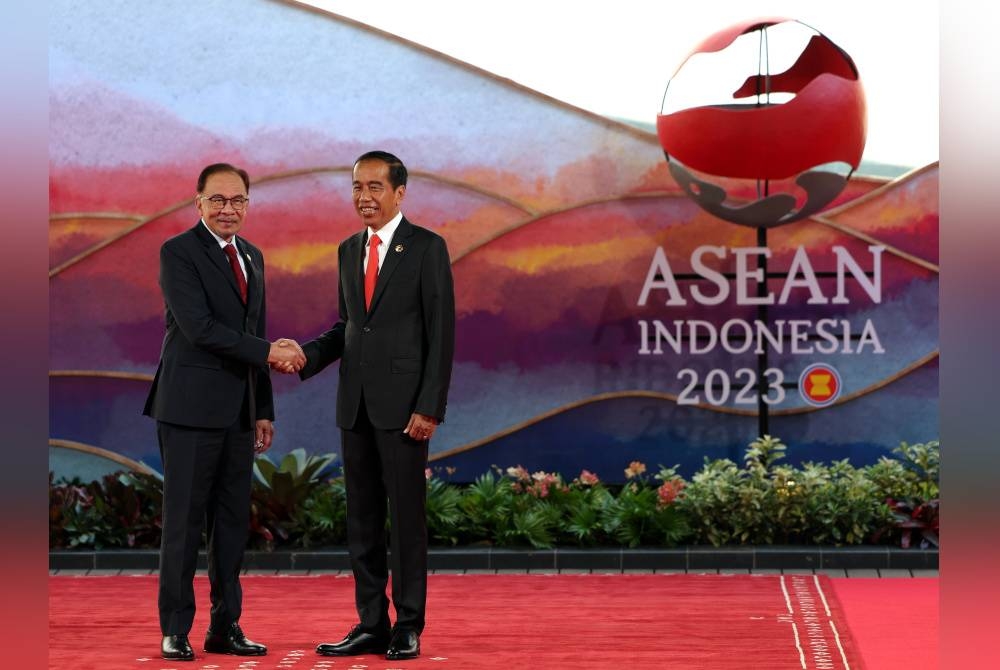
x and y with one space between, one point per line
216 168
397 171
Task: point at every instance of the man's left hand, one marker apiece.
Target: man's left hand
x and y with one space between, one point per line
421 427
264 435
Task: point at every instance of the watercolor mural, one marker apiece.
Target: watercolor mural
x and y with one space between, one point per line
552 216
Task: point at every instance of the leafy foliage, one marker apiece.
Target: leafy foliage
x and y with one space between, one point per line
910 487
300 502
321 518
119 510
444 512
585 515
488 507
279 494
766 503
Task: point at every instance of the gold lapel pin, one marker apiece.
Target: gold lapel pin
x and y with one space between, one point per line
248 256
399 248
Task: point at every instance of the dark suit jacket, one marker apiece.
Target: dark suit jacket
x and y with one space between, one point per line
399 353
215 346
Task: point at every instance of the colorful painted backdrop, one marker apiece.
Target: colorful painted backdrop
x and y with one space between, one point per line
552 216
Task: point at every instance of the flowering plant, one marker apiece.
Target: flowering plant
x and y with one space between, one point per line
645 513
669 491
635 470
537 484
297 503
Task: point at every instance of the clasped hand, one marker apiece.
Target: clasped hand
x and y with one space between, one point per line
286 356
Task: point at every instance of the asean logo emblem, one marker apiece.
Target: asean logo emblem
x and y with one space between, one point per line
819 385
757 147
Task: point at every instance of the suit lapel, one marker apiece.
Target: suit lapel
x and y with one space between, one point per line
221 261
217 256
351 274
255 278
393 255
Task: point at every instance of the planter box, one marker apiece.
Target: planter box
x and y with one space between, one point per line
548 560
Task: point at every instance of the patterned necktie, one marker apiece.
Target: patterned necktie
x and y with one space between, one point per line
234 263
371 270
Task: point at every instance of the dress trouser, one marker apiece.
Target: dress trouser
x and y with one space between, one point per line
380 467
206 483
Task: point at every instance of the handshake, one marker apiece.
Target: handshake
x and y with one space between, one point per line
286 356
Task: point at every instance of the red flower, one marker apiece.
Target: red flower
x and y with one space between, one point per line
669 491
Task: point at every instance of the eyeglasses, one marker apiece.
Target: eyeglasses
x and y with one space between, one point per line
218 203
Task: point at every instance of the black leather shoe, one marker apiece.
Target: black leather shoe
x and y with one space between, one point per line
357 641
405 643
231 640
176 648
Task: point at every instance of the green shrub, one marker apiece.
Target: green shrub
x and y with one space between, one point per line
321 517
279 494
767 503
487 505
119 510
296 503
910 488
712 503
445 520
584 519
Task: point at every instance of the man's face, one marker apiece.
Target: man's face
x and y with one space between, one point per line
374 198
227 221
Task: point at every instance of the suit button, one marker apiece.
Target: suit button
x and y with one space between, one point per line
367 329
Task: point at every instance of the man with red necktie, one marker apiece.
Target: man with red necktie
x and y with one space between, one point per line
395 339
212 401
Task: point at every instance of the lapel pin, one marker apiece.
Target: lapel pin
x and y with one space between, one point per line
248 257
399 248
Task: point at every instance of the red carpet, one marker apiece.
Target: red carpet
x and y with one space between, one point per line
767 622
894 622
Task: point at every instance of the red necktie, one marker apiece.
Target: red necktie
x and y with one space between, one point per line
371 270
234 263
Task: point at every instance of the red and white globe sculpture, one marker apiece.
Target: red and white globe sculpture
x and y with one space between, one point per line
758 148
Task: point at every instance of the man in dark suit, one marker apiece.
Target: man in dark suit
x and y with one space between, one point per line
211 398
396 338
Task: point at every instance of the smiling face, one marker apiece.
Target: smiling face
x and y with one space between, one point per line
375 198
225 222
